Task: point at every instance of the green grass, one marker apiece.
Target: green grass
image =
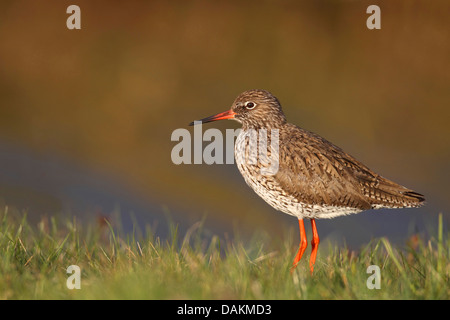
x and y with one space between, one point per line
34 260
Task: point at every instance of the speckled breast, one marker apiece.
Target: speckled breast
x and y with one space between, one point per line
254 168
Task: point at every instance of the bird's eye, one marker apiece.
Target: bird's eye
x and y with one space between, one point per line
250 105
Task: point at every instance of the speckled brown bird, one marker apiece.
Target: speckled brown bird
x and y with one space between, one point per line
313 178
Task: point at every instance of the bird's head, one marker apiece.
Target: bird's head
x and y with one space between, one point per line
254 109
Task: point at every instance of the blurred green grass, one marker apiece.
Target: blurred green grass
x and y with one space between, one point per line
34 260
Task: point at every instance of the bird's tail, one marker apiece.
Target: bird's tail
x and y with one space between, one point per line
393 195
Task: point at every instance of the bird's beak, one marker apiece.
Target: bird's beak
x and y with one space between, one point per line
220 116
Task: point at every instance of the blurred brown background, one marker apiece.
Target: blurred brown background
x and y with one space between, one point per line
86 115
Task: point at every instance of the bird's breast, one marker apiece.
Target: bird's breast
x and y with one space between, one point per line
254 164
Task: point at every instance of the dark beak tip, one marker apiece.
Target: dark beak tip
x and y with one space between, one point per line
193 123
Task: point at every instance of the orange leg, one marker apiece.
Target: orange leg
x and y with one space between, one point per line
315 245
303 244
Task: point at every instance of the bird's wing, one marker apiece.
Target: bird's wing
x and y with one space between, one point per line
315 171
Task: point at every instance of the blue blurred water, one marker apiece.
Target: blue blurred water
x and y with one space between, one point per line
47 184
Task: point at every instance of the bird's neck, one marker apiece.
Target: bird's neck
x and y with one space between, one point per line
264 125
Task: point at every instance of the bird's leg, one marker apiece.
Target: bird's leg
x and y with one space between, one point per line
315 245
303 244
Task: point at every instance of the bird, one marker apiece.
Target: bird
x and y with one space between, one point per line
313 179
